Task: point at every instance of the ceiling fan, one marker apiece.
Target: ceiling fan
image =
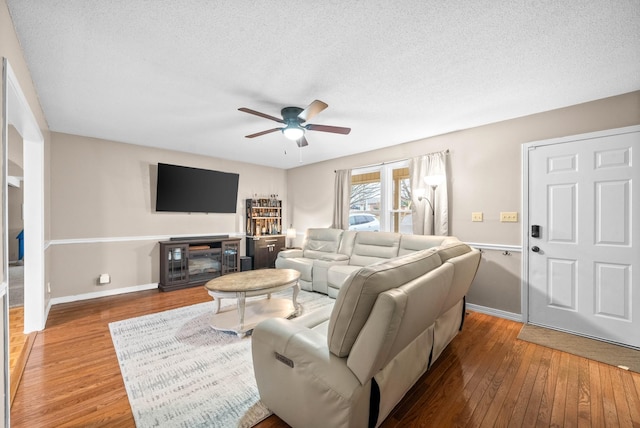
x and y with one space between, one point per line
293 119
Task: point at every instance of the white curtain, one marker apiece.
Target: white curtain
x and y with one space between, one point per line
429 201
342 201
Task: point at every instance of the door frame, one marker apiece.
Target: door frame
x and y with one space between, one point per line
526 148
17 112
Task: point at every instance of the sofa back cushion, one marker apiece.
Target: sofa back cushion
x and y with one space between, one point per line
451 248
401 317
320 241
347 242
360 291
412 243
373 247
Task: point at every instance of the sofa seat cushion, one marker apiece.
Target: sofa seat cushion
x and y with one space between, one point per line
338 274
358 295
302 265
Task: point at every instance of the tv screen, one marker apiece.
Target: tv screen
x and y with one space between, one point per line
191 190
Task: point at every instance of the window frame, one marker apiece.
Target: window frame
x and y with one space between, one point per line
388 204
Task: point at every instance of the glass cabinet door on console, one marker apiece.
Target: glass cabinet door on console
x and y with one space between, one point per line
230 252
176 262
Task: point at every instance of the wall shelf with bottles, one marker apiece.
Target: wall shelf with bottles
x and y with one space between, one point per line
264 216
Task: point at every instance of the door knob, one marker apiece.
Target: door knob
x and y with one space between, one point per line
535 249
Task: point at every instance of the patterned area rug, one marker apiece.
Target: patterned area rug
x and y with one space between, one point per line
179 372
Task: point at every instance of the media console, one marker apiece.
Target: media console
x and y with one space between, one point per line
192 261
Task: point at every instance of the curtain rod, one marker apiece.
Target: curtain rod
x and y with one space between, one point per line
394 161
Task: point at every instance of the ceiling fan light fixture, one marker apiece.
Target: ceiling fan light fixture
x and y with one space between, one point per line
293 119
293 133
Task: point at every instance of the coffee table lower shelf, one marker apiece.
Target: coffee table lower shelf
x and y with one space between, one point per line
255 311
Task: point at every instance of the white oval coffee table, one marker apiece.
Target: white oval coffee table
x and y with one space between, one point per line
248 313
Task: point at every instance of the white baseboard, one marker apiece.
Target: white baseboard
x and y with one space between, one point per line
495 312
95 295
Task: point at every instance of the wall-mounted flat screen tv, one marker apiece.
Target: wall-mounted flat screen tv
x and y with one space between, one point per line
194 190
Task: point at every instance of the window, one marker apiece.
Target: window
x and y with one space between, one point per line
381 198
365 201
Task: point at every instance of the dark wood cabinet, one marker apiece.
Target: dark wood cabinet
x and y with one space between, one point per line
264 231
264 250
189 262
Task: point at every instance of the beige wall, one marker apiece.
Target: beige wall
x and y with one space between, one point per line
103 210
103 218
485 176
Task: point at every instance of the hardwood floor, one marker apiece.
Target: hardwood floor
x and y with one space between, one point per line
19 347
486 377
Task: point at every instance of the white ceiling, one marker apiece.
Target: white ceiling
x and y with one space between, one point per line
173 73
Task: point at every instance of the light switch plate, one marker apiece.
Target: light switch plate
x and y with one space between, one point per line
509 217
476 216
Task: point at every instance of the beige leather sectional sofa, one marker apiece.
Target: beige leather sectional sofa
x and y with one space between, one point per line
329 256
351 363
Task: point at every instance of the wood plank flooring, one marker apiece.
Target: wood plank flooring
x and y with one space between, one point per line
486 377
19 347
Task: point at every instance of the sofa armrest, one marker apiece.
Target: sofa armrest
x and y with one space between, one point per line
294 370
320 269
291 253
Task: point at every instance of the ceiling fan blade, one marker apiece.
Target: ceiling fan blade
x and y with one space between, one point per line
268 131
257 113
325 128
301 142
312 109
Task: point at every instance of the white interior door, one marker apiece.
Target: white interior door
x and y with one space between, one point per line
581 195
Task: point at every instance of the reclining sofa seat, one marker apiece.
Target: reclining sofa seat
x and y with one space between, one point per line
350 364
319 243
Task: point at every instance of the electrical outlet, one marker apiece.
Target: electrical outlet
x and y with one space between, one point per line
509 217
477 216
48 287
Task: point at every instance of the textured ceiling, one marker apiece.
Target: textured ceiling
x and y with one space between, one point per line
173 73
